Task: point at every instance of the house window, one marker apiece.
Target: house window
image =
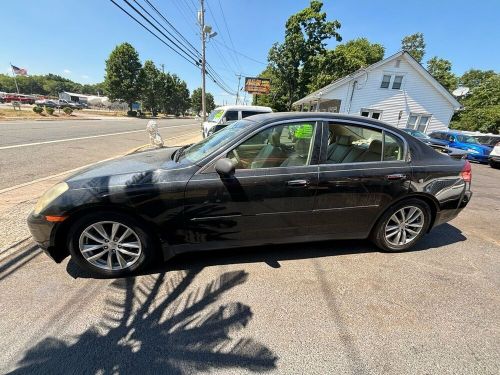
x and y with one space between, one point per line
386 80
397 81
396 84
418 121
371 113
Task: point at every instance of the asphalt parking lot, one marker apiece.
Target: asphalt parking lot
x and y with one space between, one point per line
319 308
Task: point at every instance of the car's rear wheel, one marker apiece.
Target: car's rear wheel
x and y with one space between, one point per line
402 225
110 244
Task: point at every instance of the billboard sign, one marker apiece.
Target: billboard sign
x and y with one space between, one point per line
255 85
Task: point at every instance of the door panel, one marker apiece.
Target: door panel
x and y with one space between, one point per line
252 207
350 198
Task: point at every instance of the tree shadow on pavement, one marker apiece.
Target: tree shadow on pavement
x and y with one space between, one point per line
156 324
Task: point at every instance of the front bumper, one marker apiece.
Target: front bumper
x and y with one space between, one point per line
495 158
43 233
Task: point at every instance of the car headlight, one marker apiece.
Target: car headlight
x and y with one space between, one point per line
49 196
472 151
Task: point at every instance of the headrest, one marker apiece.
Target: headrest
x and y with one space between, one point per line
274 138
344 140
302 146
375 146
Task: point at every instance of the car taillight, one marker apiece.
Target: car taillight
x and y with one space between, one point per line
466 172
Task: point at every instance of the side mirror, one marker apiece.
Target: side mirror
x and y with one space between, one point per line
225 167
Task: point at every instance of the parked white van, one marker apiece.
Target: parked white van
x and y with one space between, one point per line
221 115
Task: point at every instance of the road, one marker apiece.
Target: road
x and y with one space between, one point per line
35 149
337 307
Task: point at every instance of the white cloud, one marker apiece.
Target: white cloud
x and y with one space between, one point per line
84 76
67 71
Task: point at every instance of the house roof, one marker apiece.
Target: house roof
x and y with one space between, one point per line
414 63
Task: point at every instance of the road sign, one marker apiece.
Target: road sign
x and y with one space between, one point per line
255 85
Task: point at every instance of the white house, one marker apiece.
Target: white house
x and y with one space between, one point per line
396 90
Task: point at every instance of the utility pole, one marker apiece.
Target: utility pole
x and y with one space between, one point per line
162 68
238 91
201 18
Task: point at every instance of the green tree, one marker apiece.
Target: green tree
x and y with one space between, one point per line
196 101
151 86
481 107
475 77
179 101
344 60
441 70
122 77
292 64
414 44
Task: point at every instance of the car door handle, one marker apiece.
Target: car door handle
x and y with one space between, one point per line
396 176
298 183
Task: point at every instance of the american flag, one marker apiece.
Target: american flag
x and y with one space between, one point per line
19 71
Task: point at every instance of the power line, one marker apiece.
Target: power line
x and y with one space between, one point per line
241 54
156 36
228 33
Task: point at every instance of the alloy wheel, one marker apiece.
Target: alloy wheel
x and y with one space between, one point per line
110 245
404 225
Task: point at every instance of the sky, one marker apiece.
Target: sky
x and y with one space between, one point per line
73 38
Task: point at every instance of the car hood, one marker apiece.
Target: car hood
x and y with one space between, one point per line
125 170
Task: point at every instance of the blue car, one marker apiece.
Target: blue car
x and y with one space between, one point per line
475 150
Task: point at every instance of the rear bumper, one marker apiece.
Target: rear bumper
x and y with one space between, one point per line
43 233
446 215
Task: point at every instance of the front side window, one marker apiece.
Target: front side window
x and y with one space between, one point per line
286 145
231 115
418 121
357 144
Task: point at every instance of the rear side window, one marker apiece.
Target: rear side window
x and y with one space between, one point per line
231 115
357 144
250 113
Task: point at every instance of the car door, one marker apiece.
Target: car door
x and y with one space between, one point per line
362 170
270 197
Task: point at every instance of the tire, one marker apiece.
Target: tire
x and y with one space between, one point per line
385 232
128 264
494 164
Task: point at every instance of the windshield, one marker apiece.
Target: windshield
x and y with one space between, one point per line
215 115
205 147
467 139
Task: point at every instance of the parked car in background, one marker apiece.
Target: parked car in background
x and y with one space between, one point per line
476 151
487 139
23 99
47 103
494 158
424 137
221 115
267 179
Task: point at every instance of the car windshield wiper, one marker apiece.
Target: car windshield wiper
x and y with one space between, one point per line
180 152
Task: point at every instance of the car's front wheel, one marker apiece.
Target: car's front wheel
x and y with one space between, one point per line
402 225
494 164
110 244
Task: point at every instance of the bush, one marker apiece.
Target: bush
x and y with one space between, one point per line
49 110
132 113
68 110
37 109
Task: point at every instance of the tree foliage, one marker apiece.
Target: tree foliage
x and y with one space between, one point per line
151 86
475 77
292 64
196 101
440 69
344 60
414 44
482 105
122 78
48 84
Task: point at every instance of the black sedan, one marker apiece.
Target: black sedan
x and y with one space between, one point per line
267 179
